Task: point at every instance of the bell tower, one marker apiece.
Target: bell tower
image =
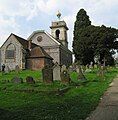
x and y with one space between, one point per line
59 30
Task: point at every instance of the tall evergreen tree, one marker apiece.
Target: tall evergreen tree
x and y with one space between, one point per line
79 44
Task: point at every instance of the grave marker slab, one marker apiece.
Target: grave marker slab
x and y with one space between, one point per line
30 80
56 72
17 80
47 73
65 77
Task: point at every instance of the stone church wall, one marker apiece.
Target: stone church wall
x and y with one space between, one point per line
65 57
60 54
53 52
17 59
45 40
48 45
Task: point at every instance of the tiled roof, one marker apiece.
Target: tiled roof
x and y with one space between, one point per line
36 50
39 52
24 42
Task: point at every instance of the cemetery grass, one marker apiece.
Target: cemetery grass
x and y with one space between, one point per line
75 104
22 74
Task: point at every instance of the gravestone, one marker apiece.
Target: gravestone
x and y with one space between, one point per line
65 77
63 68
47 73
17 80
101 73
83 68
88 70
17 69
74 66
56 72
91 65
80 73
7 69
30 80
71 69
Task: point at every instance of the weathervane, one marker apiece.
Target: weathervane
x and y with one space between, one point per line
58 15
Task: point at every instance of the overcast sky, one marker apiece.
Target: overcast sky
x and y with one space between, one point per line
22 17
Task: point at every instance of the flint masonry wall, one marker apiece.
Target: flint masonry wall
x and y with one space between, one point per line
17 60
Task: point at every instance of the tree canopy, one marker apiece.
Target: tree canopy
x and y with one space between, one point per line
91 41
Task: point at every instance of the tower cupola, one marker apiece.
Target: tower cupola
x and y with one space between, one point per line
59 30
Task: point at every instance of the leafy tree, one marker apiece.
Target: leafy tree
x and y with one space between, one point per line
90 41
105 43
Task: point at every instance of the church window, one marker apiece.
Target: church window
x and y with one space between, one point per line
10 51
57 34
39 38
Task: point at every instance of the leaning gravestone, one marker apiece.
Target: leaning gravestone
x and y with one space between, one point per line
80 74
88 70
47 73
65 77
56 72
30 80
17 80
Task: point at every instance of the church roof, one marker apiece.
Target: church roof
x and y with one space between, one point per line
24 42
39 52
36 52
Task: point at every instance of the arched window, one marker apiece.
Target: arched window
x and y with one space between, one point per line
10 51
57 34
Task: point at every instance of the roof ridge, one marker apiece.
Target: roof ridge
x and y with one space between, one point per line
19 36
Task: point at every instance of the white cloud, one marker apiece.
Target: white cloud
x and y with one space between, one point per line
7 25
100 12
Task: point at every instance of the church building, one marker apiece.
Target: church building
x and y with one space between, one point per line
38 50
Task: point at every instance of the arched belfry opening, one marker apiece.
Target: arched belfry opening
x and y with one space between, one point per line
57 33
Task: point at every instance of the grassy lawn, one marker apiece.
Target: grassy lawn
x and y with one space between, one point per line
75 104
23 74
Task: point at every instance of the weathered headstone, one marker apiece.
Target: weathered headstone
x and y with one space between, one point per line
63 68
95 66
70 69
30 80
88 70
83 68
101 73
91 65
65 77
80 73
56 72
17 80
73 67
47 73
17 69
7 69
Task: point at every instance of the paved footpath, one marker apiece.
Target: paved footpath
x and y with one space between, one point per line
108 106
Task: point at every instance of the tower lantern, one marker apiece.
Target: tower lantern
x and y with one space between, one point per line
58 15
59 30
